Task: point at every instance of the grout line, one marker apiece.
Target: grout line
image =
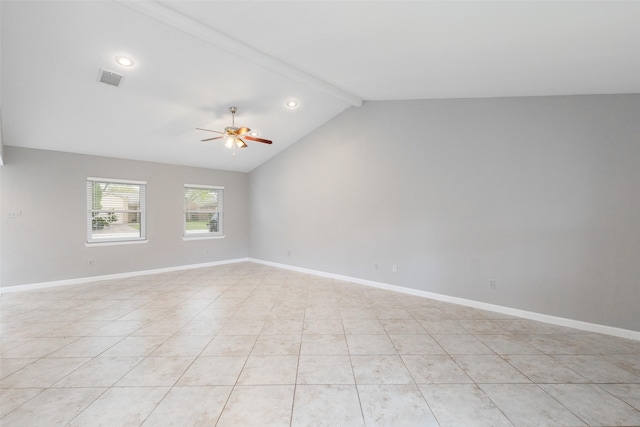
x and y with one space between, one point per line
583 346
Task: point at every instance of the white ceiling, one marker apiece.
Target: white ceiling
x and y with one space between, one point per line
194 59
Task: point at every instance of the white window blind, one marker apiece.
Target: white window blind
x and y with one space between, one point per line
203 210
115 210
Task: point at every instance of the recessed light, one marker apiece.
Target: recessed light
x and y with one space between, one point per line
254 134
292 103
125 61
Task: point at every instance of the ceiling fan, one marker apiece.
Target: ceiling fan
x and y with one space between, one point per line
235 136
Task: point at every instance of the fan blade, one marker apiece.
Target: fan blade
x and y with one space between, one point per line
211 139
209 130
251 138
242 130
243 145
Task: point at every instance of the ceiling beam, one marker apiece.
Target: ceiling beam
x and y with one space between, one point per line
168 16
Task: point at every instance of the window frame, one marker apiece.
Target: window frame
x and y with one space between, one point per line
141 211
195 235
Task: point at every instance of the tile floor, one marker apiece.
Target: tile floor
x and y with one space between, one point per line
246 344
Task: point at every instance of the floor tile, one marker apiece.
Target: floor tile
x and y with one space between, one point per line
277 345
230 345
507 344
462 405
183 345
213 370
145 314
434 369
156 372
43 373
9 366
380 369
523 326
482 327
462 344
607 345
86 347
629 393
324 344
326 405
544 369
323 326
629 362
11 398
443 327
393 313
163 327
60 406
322 369
114 407
37 347
370 344
357 313
594 405
201 327
402 326
459 312
118 328
135 346
99 372
78 329
426 313
394 405
10 342
489 369
265 370
597 369
261 406
416 344
555 344
528 405
218 314
287 313
249 344
282 327
235 327
190 406
363 327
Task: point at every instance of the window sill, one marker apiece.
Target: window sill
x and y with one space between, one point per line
116 243
184 238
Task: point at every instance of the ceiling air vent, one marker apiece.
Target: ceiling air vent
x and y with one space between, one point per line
110 78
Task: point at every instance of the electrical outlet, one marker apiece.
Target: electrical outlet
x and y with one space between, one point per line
90 262
492 284
288 254
394 268
375 267
17 214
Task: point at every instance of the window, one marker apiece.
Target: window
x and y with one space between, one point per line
115 210
202 211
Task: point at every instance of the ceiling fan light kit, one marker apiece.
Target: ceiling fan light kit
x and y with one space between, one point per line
234 136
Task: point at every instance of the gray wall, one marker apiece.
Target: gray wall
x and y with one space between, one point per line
48 242
541 195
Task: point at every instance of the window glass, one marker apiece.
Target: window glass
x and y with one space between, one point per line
115 210
202 211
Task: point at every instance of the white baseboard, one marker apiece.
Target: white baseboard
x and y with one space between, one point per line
90 279
560 321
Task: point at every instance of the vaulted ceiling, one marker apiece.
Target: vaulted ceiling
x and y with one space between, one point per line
194 59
